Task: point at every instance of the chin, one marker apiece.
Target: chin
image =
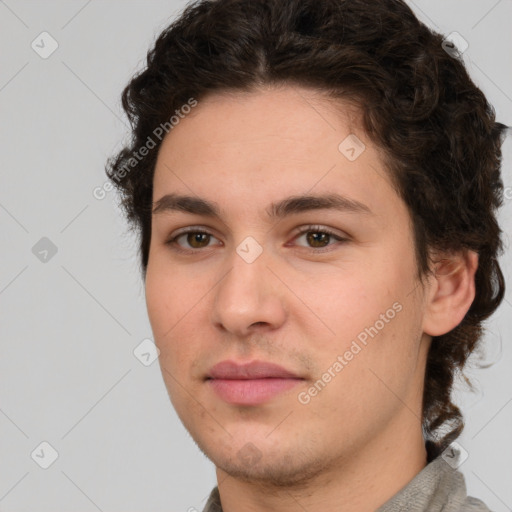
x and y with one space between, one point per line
269 466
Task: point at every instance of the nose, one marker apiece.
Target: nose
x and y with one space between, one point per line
248 299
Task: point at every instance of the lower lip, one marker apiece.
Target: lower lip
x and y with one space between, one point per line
250 391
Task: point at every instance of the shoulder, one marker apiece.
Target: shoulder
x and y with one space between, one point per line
474 505
438 487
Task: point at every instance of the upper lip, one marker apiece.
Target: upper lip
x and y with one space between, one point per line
252 370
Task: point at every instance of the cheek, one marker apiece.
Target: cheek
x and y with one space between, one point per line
158 301
175 301
346 302
170 295
167 305
365 310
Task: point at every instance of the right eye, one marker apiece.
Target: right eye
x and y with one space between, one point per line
194 237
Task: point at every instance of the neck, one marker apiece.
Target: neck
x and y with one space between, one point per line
362 481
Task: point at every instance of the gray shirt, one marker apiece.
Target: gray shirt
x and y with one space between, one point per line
436 488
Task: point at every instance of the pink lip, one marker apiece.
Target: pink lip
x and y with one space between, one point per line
250 384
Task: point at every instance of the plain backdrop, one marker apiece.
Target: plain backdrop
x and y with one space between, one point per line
71 297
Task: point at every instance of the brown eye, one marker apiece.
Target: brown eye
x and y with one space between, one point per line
195 239
198 240
318 238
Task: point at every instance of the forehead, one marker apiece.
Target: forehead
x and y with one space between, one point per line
267 144
273 121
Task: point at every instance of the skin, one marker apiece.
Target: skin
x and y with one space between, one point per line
359 440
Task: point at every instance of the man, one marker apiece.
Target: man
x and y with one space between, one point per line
315 186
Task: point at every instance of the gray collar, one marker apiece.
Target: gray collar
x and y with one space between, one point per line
437 487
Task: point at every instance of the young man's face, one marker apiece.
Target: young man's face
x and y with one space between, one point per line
344 318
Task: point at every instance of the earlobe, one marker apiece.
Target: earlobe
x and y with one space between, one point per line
452 292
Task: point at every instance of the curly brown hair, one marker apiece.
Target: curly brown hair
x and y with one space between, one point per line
418 104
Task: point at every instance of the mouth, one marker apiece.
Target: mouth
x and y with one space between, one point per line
250 384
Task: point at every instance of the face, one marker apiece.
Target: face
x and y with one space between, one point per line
292 249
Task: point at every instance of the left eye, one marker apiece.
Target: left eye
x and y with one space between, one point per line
318 238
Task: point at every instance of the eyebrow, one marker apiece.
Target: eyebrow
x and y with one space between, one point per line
285 207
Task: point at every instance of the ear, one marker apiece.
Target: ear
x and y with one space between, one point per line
451 292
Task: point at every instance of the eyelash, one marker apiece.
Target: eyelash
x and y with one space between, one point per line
308 229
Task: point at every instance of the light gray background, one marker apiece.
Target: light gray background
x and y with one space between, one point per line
68 327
